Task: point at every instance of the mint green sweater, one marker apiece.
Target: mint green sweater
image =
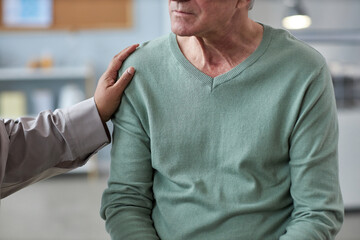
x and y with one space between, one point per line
250 154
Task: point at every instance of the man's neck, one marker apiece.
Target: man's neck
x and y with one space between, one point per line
218 53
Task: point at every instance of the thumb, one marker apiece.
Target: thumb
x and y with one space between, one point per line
124 80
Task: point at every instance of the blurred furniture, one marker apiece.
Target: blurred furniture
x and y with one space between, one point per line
30 80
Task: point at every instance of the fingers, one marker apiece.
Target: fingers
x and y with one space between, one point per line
126 52
118 60
124 80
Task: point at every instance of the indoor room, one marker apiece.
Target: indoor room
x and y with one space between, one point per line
53 53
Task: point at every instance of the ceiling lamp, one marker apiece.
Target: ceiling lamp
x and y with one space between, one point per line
295 17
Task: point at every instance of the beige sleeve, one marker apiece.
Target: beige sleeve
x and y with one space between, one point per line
52 143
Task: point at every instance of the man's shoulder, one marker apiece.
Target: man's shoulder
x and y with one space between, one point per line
288 45
151 51
150 60
156 43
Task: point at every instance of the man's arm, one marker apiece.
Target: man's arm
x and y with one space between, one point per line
55 142
127 203
318 207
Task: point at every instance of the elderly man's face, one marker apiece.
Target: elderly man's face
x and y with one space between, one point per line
201 17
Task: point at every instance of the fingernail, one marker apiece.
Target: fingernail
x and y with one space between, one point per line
131 70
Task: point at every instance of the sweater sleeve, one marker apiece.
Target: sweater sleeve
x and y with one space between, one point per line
318 207
128 201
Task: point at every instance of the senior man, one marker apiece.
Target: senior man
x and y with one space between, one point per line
228 132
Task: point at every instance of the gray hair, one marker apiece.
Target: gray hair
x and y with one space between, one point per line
251 4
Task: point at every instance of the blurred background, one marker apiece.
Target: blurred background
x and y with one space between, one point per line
52 52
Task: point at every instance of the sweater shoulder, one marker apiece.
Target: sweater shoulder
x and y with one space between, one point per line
149 53
290 47
150 60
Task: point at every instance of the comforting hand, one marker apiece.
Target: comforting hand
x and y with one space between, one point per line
109 91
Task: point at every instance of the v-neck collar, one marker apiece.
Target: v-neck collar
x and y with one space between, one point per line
218 80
